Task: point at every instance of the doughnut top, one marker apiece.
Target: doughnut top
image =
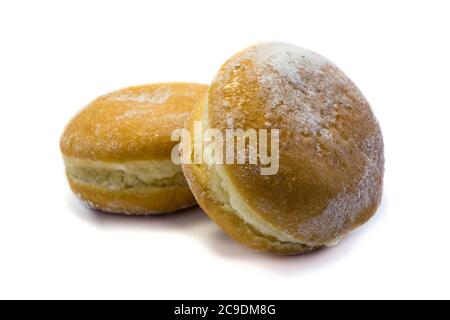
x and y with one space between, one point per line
331 147
131 124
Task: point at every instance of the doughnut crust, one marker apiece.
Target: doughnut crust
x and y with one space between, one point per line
117 151
331 151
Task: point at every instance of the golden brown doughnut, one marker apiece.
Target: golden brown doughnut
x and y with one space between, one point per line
117 151
331 151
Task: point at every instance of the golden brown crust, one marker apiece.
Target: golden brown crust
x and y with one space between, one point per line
331 147
131 124
234 226
198 178
130 128
143 201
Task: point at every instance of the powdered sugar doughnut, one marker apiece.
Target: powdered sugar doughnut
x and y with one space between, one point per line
117 150
330 151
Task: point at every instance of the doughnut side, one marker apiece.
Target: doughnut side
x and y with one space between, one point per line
137 188
230 222
214 197
117 149
145 201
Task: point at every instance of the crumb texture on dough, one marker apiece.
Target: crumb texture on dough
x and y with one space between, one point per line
123 176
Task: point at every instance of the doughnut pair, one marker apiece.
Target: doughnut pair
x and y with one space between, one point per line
328 151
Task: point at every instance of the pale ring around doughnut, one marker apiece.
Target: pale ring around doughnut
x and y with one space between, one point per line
331 151
117 151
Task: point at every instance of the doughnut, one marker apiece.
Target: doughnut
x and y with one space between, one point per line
330 151
117 151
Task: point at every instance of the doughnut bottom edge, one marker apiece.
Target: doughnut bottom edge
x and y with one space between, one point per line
232 224
141 201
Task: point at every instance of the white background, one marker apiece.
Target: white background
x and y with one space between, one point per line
56 56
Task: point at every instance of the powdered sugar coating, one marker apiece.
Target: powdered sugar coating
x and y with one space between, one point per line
143 97
364 193
131 124
291 81
331 147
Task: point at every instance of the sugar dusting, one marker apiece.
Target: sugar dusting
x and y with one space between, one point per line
148 112
127 120
306 95
157 97
347 205
142 103
289 74
295 84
